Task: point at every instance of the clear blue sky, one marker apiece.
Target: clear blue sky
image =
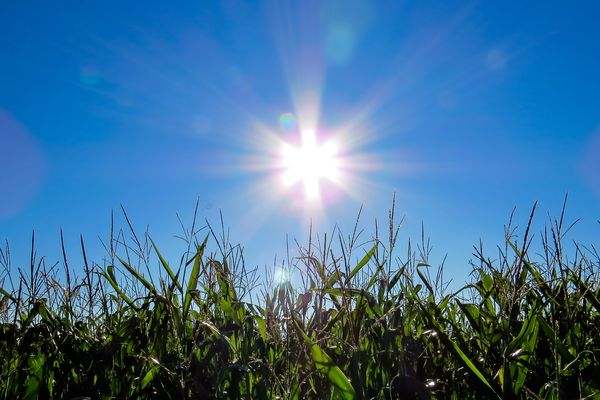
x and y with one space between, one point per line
463 109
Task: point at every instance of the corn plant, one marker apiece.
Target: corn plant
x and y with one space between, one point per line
360 320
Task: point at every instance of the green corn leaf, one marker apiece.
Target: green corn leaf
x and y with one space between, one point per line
166 266
487 282
471 311
425 281
47 314
295 392
262 327
364 261
138 276
335 291
397 276
336 277
110 277
215 331
527 333
318 266
35 378
325 364
587 292
193 280
449 343
328 282
149 377
375 277
335 375
517 351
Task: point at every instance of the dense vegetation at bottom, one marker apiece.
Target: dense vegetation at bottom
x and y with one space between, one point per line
357 321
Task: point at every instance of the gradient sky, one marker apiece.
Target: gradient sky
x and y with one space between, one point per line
463 109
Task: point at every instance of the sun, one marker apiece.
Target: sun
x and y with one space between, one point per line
310 163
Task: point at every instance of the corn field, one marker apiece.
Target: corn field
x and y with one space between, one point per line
360 319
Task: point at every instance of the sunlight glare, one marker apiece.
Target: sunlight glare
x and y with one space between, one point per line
309 163
281 277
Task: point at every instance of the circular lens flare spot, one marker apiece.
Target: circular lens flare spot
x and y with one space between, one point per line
309 163
281 277
287 122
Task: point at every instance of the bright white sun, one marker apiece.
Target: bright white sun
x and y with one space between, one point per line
309 163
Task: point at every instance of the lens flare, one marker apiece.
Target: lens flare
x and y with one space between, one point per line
287 122
309 163
281 277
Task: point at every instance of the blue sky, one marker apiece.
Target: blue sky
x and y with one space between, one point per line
463 109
